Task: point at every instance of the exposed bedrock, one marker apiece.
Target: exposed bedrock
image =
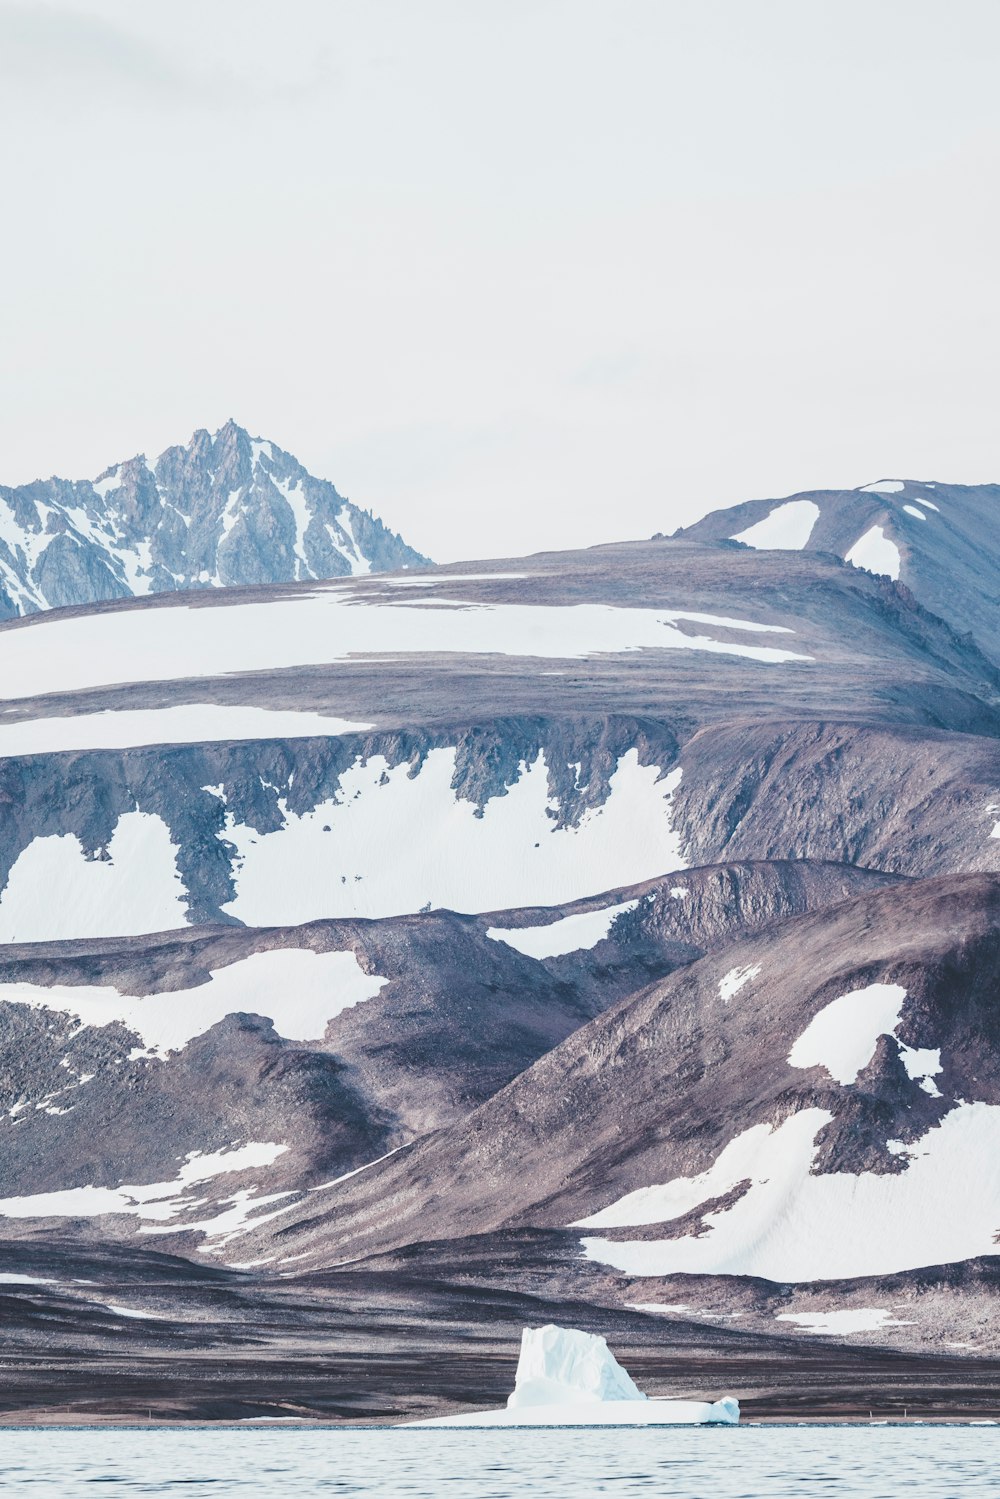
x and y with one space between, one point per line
915 802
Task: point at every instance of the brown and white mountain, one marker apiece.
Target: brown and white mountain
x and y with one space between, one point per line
225 510
816 1103
498 942
481 739
145 1081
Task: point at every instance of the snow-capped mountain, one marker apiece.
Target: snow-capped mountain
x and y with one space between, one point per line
941 540
225 510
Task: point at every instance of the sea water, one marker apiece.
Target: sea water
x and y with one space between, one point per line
748 1462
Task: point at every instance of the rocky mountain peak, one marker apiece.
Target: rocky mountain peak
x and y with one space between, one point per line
224 510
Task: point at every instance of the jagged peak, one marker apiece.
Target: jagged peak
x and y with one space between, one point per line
224 509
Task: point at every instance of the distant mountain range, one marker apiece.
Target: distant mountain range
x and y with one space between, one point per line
225 510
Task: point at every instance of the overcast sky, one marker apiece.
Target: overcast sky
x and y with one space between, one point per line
513 273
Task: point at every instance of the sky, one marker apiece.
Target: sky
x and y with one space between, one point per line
514 274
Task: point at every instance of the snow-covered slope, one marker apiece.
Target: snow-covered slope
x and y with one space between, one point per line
227 509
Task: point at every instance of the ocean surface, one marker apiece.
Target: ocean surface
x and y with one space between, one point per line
772 1462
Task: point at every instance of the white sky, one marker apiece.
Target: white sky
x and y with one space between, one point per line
513 273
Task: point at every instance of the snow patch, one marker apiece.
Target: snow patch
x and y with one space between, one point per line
293 494
884 486
54 891
786 528
732 982
154 1201
842 1323
299 990
569 934
242 1215
912 510
842 1036
184 723
359 562
876 554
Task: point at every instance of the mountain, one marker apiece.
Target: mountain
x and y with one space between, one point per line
226 510
327 1044
834 1116
288 754
604 937
940 540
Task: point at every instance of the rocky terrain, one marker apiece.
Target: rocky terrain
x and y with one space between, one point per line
227 509
607 937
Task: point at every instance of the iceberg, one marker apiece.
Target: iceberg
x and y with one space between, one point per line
570 1378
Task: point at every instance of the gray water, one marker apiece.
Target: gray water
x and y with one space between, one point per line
772 1462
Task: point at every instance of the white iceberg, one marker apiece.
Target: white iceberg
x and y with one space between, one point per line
570 1378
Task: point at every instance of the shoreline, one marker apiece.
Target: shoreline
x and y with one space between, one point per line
45 1422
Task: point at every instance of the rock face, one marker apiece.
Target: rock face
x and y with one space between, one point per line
228 509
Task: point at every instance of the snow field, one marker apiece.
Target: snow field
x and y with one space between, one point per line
183 723
397 843
300 991
55 891
792 1225
390 843
332 623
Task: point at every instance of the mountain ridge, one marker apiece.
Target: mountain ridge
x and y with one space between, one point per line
938 539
